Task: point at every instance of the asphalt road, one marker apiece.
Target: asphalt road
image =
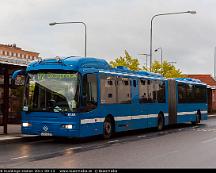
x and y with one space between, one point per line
182 146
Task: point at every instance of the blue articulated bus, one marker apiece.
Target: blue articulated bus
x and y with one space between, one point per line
80 97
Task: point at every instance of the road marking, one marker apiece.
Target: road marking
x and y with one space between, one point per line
142 136
73 148
209 140
21 157
40 141
113 141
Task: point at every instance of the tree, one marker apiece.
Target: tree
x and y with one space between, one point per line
127 61
166 69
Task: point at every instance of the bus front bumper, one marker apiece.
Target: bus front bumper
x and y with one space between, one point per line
50 129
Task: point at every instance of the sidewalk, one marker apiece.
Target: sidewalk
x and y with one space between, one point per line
14 133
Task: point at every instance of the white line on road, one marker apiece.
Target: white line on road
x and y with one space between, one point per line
209 140
142 136
21 157
73 148
41 141
113 141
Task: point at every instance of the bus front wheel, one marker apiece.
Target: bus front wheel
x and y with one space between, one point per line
108 128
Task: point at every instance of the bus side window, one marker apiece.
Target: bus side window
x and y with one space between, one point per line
161 97
107 89
123 90
89 93
150 91
182 93
143 91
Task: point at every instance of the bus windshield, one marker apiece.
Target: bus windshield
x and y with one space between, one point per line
52 92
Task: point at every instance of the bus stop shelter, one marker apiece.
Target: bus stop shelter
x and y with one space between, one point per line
7 67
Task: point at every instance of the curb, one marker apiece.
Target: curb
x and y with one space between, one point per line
211 116
13 139
9 139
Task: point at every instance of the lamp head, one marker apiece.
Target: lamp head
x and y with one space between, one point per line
52 24
192 12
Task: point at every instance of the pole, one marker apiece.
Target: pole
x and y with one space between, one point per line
6 99
85 27
151 30
146 58
161 56
146 61
215 63
150 68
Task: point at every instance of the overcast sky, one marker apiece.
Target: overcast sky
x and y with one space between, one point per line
112 27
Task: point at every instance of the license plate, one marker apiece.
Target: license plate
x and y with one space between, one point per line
46 134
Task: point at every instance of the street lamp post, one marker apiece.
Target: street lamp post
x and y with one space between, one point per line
162 14
161 54
55 23
147 55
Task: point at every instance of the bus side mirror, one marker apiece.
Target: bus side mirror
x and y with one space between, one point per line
14 76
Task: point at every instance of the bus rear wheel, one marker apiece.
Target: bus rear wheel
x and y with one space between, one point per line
108 128
160 125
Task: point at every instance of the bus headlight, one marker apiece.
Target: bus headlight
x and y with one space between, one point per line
68 126
26 124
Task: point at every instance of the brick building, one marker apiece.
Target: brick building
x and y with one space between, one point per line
11 59
211 82
13 51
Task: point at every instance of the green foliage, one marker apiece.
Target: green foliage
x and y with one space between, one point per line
127 61
166 69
